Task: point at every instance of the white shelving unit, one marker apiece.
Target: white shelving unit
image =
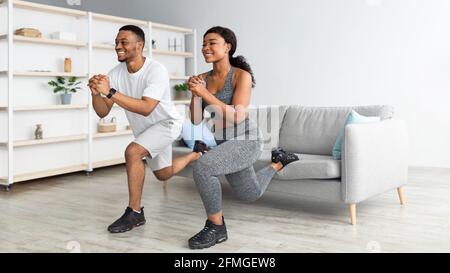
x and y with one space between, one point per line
46 8
112 134
47 41
48 140
43 74
172 53
71 142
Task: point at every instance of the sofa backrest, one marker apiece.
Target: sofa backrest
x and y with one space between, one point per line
313 130
269 119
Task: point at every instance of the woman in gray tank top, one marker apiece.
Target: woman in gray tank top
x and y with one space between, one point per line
225 92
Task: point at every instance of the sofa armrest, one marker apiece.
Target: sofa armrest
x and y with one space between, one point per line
374 159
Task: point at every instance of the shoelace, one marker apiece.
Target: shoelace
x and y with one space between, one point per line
204 230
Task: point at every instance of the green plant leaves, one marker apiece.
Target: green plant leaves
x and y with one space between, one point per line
181 87
61 85
61 80
58 88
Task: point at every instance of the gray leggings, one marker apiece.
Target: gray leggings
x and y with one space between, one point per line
234 159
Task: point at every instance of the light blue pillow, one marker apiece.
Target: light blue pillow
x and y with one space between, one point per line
353 117
190 133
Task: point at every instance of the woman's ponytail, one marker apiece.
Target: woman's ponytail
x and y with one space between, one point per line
241 63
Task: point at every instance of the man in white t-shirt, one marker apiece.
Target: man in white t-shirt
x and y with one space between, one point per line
141 87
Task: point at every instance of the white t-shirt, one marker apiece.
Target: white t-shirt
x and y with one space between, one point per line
152 81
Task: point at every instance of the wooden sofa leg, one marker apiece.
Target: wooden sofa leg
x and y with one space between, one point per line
352 210
165 184
400 195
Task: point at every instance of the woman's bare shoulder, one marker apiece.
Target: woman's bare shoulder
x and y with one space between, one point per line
241 75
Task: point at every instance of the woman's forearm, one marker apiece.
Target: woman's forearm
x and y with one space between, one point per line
230 113
196 110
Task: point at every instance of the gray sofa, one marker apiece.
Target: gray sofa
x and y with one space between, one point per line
374 155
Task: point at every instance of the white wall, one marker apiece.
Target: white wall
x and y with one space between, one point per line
328 52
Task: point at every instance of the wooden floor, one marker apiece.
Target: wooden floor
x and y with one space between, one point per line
71 212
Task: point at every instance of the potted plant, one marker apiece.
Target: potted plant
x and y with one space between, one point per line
65 87
181 91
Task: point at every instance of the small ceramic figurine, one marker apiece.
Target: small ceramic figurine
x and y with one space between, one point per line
38 132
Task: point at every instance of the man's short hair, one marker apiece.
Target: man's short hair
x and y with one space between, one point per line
136 30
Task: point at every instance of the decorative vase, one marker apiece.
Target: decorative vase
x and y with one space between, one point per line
66 98
68 65
38 133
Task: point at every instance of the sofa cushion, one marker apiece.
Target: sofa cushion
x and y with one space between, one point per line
352 118
190 133
313 130
311 167
269 119
308 167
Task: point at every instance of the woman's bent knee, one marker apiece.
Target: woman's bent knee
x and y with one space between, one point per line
200 167
249 197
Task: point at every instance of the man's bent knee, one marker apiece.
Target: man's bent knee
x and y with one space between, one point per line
164 174
135 151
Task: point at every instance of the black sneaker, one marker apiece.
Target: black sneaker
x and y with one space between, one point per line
127 221
276 154
287 158
210 235
200 147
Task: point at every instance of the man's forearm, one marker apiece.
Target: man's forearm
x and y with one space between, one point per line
100 106
138 106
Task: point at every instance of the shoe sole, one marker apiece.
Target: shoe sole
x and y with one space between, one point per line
218 241
126 229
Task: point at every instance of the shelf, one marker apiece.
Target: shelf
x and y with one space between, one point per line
103 46
172 28
45 74
182 102
173 78
173 53
46 173
47 8
117 19
107 47
32 142
59 171
45 107
18 38
113 134
105 163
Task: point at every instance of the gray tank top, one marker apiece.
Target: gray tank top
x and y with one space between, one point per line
247 127
226 94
